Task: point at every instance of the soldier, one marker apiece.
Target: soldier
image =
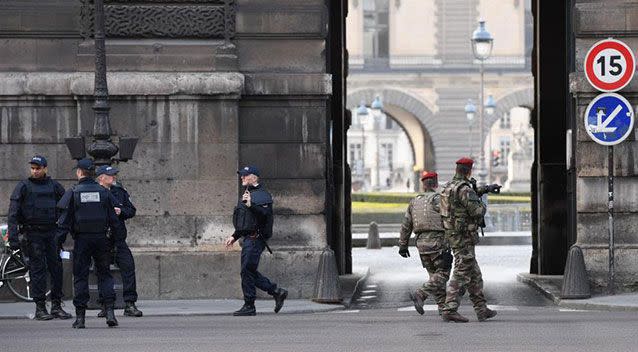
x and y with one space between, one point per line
33 209
424 219
258 203
462 211
88 213
107 178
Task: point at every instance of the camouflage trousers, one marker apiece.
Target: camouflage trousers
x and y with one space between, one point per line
466 274
437 260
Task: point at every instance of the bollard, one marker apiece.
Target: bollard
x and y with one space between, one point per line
373 237
575 281
327 285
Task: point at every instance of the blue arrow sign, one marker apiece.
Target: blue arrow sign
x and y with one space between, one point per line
609 119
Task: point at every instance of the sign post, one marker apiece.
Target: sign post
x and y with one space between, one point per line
610 65
609 120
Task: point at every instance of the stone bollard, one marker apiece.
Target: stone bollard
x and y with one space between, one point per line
575 281
327 285
373 237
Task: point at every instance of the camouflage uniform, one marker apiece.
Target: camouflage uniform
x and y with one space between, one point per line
462 211
424 219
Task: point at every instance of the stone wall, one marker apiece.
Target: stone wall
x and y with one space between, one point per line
594 21
201 107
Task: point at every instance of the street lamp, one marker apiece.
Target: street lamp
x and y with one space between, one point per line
362 110
102 149
490 107
482 48
470 113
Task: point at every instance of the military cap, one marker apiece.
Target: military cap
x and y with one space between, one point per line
428 174
465 161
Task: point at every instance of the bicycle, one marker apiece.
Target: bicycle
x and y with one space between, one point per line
14 269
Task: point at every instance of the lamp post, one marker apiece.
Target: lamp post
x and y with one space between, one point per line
470 113
363 111
377 106
102 149
482 48
490 107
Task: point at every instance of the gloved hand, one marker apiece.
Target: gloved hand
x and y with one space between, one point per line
14 245
404 252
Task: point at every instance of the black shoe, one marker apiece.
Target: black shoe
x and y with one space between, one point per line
418 302
280 296
79 318
110 316
58 312
41 311
454 316
247 310
485 314
101 314
131 310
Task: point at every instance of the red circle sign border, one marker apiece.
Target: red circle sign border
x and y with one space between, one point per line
589 65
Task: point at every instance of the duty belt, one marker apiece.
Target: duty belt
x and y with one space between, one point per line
38 227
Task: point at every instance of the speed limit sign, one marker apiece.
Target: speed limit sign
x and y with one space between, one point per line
610 65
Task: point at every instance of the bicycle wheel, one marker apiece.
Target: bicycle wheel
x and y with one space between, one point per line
16 275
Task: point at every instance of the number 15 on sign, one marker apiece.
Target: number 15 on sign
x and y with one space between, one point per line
609 65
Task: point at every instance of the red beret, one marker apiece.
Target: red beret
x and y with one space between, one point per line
427 174
465 161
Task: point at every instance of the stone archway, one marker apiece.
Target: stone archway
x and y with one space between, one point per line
412 114
521 98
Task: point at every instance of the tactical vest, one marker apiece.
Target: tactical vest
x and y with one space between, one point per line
424 216
90 201
243 220
38 207
455 216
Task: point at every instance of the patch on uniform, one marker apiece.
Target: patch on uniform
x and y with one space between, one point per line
90 197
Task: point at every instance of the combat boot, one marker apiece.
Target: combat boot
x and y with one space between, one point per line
130 310
454 316
41 311
110 316
485 314
280 296
58 312
248 309
79 318
418 300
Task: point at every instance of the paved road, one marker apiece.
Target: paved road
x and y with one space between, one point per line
387 322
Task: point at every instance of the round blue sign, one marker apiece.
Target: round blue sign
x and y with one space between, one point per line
609 119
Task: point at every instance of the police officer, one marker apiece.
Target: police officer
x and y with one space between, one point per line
259 202
462 211
107 178
423 217
33 209
88 213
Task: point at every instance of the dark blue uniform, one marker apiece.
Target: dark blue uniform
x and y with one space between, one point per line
123 256
33 209
87 212
254 244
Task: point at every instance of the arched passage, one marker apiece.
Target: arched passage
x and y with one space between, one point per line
409 112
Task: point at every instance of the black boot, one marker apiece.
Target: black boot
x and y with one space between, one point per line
110 316
41 311
248 309
79 318
58 312
131 310
280 296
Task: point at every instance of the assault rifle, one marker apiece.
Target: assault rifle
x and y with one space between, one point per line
482 190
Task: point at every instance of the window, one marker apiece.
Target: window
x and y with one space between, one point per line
376 29
504 149
355 152
505 122
386 156
388 123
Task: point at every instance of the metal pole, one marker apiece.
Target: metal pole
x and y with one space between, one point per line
376 147
610 166
482 172
471 142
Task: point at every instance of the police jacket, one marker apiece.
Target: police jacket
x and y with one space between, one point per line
87 208
123 201
33 202
261 207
